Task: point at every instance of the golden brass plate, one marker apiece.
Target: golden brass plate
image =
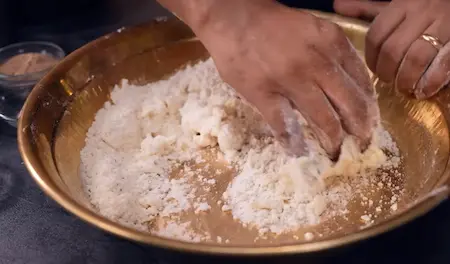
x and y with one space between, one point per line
59 111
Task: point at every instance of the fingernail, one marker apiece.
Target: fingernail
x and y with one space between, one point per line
420 95
419 89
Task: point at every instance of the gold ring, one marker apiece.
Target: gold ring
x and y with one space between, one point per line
433 41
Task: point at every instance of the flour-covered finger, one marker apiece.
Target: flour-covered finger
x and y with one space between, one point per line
281 117
312 103
436 76
358 111
353 64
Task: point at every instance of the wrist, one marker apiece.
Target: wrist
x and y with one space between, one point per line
219 15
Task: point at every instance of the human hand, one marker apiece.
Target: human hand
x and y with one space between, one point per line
276 57
395 48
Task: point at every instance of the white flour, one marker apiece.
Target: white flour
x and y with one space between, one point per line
146 131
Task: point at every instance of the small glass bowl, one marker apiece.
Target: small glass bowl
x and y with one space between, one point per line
14 89
22 84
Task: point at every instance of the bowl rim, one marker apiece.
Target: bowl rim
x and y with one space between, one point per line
33 165
15 80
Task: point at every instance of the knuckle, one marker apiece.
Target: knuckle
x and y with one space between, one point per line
329 31
334 33
286 68
289 68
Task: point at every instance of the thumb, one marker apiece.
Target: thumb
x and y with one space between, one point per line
359 8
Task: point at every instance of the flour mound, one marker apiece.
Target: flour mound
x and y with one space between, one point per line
139 138
278 193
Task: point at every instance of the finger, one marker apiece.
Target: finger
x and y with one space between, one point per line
436 76
359 112
279 114
397 45
381 28
274 108
355 67
312 103
418 58
359 8
345 54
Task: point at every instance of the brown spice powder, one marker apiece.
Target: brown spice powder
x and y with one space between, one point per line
27 63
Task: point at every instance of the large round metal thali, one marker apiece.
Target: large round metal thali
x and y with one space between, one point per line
59 111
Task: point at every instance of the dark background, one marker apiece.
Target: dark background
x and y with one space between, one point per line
58 19
34 229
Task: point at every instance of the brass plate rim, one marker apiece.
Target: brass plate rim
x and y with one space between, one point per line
33 165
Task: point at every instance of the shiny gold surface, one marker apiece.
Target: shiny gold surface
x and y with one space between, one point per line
62 106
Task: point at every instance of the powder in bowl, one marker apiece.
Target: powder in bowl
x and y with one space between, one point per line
27 63
144 167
